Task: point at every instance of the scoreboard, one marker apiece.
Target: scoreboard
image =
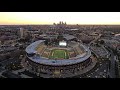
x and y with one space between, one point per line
62 43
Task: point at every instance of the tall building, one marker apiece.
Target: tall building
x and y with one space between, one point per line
59 25
23 33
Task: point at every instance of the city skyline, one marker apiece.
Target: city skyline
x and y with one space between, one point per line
35 18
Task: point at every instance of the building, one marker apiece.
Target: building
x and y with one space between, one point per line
113 44
23 33
40 61
60 25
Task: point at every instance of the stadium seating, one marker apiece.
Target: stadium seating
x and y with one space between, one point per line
41 49
71 53
78 50
46 53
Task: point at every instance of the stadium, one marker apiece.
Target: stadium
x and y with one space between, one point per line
66 58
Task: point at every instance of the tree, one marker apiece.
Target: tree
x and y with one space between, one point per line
101 41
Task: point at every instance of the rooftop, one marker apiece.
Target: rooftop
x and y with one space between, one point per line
68 37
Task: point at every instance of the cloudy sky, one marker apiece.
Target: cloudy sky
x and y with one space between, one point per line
51 17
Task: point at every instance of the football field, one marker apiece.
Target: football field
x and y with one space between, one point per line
59 54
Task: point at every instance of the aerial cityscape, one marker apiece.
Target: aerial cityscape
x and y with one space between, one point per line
59 48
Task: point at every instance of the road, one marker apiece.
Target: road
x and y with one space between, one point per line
112 64
95 39
111 68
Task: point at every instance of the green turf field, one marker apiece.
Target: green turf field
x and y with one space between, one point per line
59 54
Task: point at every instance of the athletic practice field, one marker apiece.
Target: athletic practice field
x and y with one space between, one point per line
59 54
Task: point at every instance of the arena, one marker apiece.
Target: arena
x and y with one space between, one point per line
66 59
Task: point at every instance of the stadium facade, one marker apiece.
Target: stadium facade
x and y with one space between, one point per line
40 63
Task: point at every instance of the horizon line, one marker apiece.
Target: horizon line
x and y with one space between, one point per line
52 24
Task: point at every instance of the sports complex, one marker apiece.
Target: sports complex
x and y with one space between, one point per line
65 59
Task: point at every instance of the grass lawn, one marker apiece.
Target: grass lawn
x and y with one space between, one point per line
59 54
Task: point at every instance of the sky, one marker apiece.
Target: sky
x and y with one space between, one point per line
21 18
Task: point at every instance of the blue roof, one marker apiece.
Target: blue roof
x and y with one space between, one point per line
31 48
41 60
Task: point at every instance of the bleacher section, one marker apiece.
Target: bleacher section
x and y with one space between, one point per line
46 53
40 49
78 50
71 53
